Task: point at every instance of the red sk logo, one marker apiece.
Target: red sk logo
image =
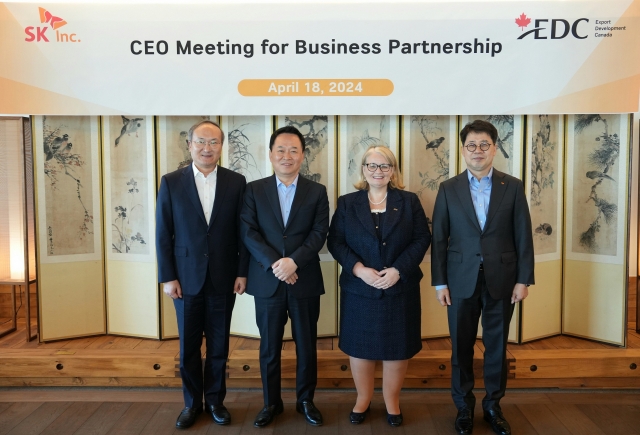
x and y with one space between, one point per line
48 17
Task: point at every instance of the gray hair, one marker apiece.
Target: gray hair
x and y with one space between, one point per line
206 121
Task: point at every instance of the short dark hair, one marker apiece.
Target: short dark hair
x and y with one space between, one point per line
479 126
206 121
288 129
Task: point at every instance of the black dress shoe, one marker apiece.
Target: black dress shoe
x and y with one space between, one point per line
394 420
267 414
464 421
311 413
220 414
498 423
358 417
187 417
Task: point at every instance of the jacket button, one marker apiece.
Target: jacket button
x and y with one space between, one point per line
206 255
384 243
477 255
284 237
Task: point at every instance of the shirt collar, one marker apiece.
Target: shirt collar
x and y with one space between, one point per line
471 177
196 171
280 183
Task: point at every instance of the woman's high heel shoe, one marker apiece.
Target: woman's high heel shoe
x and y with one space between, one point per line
358 417
394 420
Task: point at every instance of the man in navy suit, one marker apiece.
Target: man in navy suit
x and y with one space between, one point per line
481 262
203 264
284 225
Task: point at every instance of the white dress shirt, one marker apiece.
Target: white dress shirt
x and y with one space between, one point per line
206 187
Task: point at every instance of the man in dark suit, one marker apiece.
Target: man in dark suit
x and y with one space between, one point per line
202 263
481 262
284 224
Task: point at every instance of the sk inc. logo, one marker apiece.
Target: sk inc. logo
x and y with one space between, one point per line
560 28
39 33
47 17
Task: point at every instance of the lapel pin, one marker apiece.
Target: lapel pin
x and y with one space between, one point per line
395 209
502 182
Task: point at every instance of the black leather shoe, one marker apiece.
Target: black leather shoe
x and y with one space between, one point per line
394 420
464 421
267 414
358 417
220 414
498 423
187 417
311 413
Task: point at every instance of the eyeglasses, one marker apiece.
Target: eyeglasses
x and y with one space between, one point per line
373 167
471 147
202 143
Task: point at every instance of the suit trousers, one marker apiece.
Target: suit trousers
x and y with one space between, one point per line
463 317
271 317
209 311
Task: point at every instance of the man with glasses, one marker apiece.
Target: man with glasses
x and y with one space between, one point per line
203 264
481 263
284 225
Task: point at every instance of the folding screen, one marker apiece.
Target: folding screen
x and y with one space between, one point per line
129 202
541 314
429 157
69 221
246 151
597 229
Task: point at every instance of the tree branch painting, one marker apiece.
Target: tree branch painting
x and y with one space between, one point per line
66 142
314 130
601 161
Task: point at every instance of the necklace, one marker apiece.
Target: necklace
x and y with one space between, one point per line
378 203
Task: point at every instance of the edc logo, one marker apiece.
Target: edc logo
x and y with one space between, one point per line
559 29
39 33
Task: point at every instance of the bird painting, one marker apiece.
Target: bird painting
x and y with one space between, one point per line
55 145
597 174
129 126
544 229
435 143
66 149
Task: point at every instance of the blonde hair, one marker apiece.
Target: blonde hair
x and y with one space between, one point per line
396 177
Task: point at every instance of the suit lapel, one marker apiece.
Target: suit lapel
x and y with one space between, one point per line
363 211
464 195
498 189
301 193
189 183
271 190
221 189
394 211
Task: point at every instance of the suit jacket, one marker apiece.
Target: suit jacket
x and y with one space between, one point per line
268 239
405 240
505 244
187 248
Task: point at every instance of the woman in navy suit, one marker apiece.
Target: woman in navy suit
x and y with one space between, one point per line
379 235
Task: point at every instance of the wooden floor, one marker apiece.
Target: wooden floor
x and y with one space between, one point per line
108 411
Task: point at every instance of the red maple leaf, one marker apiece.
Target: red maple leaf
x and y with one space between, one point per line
522 21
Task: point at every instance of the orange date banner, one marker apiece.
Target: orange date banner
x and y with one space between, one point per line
315 87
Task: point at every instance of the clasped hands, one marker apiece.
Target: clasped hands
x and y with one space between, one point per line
285 270
382 279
